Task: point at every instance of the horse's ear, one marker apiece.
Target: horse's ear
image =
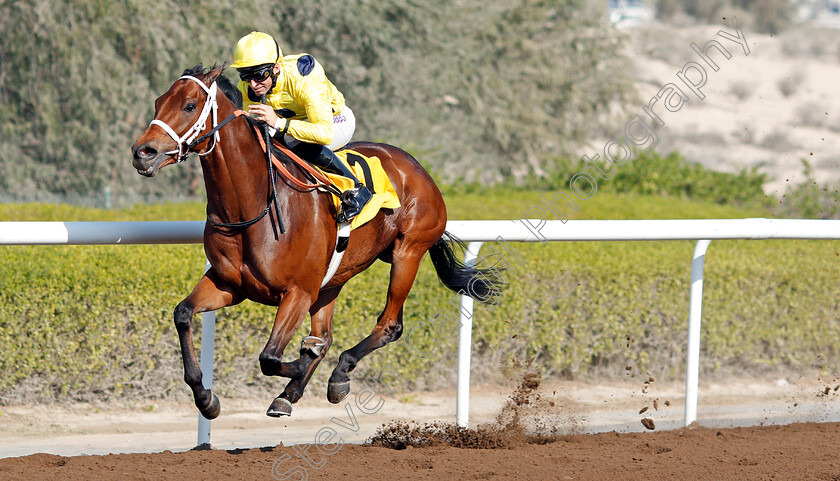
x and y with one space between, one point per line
213 74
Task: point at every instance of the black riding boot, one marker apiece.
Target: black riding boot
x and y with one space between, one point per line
352 200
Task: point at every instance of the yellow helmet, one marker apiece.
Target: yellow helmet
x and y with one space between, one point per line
256 48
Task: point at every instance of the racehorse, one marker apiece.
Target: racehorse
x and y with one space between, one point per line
251 258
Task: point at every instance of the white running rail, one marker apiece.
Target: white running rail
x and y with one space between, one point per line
475 233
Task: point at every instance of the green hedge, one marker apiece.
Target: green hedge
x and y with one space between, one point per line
85 322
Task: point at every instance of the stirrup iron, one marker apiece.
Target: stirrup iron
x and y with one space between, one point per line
313 344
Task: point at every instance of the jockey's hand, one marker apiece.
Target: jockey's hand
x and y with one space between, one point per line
263 112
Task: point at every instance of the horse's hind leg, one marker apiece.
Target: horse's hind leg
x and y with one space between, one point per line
316 345
406 261
208 295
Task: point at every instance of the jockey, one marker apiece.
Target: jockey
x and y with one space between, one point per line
302 107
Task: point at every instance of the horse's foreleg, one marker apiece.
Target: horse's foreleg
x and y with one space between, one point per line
389 327
208 295
316 345
290 315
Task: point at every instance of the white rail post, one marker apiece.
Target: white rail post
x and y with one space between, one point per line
208 344
462 403
692 362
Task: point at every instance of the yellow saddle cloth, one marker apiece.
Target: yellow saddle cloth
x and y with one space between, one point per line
369 171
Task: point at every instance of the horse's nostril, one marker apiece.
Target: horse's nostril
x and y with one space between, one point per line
145 152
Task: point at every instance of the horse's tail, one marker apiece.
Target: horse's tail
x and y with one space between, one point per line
483 285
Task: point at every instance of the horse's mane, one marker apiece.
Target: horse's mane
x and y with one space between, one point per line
231 92
225 85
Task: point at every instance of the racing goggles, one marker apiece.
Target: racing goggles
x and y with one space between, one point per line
258 73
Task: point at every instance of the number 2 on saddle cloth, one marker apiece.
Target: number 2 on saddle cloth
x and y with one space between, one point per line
369 171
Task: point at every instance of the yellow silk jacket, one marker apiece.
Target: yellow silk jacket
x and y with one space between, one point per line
304 94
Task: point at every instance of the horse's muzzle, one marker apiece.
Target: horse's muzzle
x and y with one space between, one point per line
147 159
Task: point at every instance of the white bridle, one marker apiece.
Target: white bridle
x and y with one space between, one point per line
210 106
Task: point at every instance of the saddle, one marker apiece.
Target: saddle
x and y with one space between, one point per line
369 171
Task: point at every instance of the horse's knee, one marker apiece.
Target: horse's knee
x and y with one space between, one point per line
269 364
272 365
183 315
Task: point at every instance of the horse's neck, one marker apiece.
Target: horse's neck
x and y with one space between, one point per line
236 174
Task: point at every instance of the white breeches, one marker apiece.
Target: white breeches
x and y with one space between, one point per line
344 125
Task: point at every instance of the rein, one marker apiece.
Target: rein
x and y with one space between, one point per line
322 181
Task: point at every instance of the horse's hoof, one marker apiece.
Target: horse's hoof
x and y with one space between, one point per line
279 407
213 409
337 391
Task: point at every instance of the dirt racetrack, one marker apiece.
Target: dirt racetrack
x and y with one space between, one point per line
515 443
796 451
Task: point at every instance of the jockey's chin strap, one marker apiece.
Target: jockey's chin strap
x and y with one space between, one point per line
190 140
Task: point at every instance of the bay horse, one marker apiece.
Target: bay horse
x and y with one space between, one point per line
252 259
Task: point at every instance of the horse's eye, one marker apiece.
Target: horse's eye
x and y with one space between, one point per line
190 107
